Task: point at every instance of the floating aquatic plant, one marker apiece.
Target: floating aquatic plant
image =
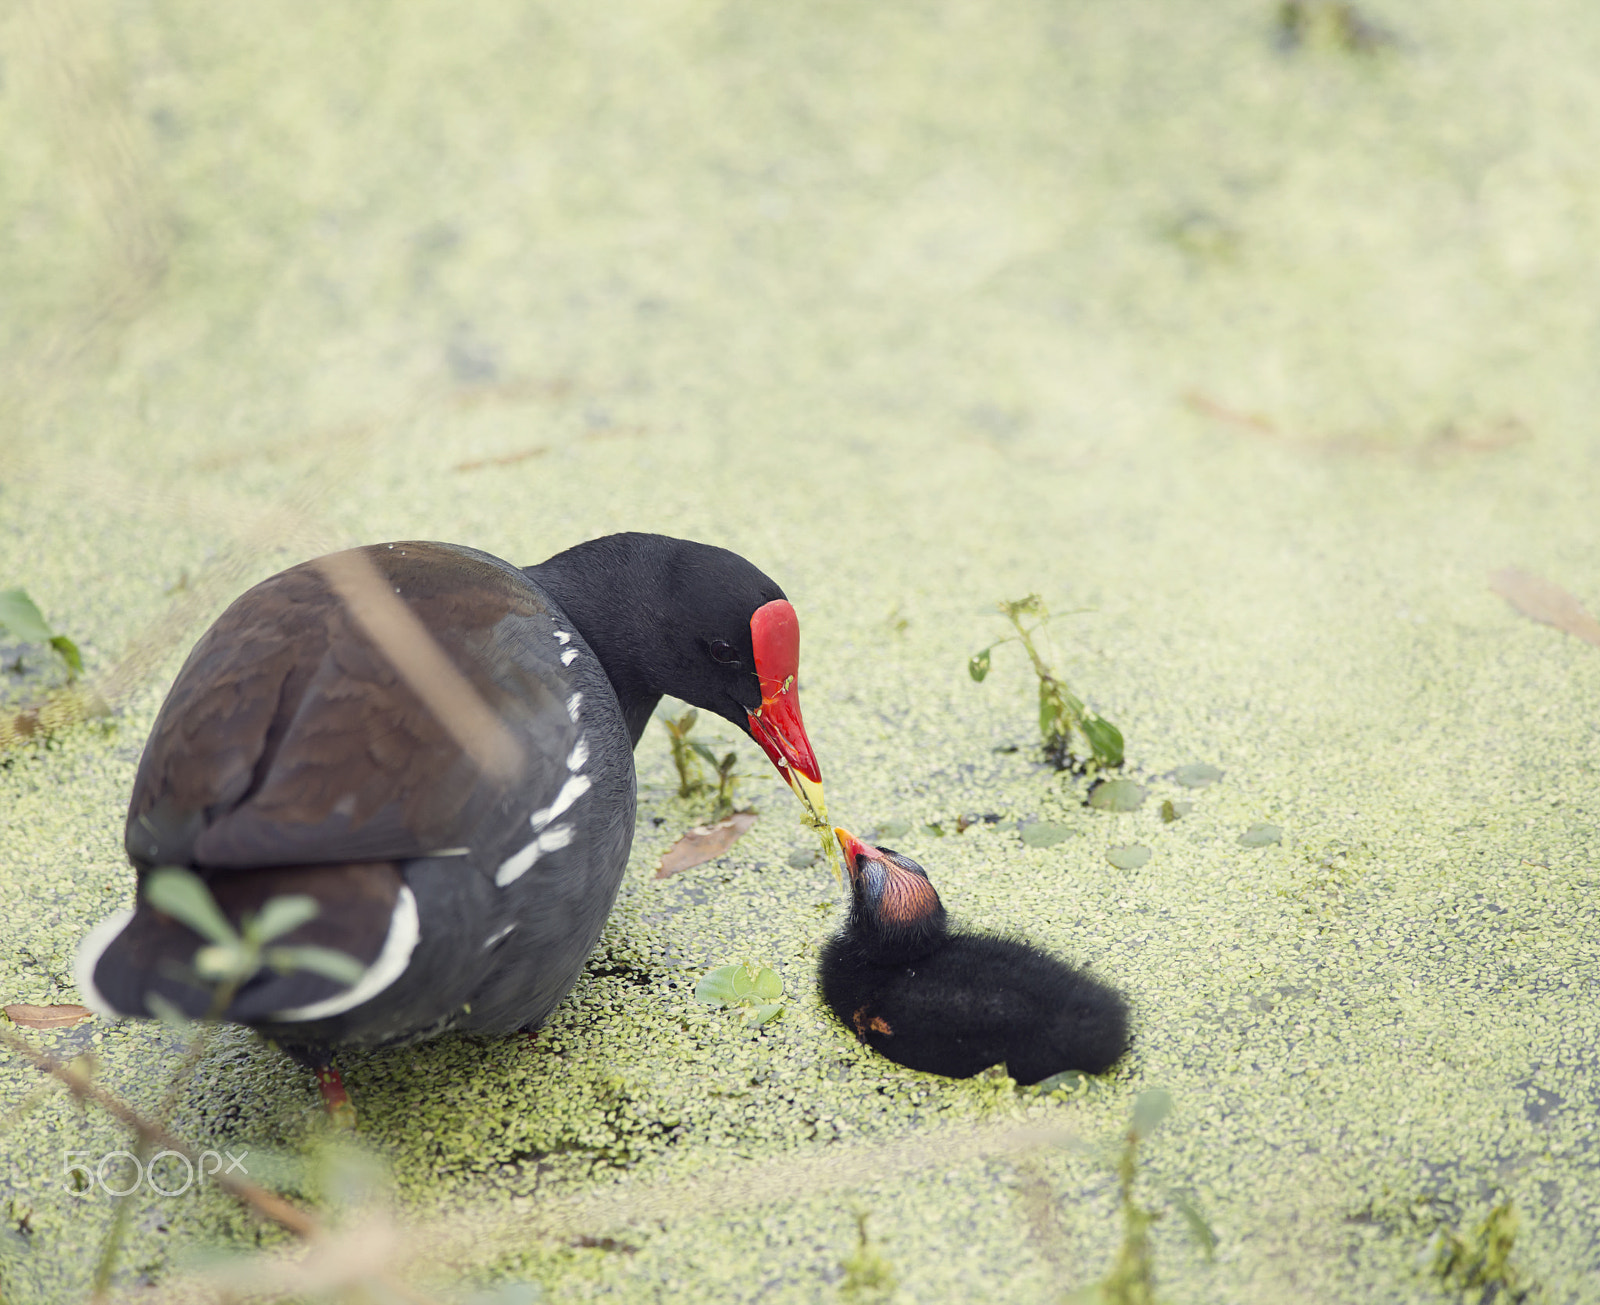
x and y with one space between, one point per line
1481 1260
1062 714
751 990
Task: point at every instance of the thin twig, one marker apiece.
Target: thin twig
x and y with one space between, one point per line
267 1204
419 660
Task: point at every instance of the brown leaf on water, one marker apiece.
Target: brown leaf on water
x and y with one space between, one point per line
504 460
705 843
47 1017
1545 602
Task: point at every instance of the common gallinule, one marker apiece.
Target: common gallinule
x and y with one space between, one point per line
465 849
955 1003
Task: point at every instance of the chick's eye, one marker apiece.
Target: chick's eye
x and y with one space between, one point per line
722 651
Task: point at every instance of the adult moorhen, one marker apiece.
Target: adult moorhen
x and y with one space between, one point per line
445 769
955 1003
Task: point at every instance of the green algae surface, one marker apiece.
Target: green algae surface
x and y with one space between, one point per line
1267 351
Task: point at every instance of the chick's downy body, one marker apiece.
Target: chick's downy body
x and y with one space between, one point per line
953 1002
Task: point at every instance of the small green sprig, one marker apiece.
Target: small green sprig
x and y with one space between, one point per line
232 956
687 754
20 617
1061 712
1131 1278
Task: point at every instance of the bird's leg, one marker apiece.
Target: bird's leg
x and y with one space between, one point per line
336 1100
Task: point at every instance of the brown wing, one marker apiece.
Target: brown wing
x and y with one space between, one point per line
289 738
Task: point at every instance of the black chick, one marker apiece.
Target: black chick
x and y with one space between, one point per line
956 1003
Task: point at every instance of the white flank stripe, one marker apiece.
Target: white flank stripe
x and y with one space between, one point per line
404 932
568 657
553 840
580 755
90 950
496 936
575 787
573 703
514 867
563 636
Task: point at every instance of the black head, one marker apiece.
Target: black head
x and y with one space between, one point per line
894 908
670 616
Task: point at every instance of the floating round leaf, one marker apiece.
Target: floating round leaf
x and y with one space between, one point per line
1149 1109
766 984
894 828
1046 833
1261 834
1196 775
1116 795
717 989
1128 858
1171 810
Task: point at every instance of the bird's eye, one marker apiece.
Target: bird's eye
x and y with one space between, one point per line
722 651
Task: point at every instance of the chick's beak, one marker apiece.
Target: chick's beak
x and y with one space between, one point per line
853 847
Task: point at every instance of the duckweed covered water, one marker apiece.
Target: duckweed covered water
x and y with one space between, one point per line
1271 353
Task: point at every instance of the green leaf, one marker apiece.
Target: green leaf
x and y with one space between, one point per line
1171 810
1149 1109
281 915
1196 775
1046 833
21 617
224 962
704 753
764 1015
1116 795
768 986
893 829
1105 739
1199 1229
717 989
186 898
338 966
1261 834
744 981
1129 858
68 652
978 665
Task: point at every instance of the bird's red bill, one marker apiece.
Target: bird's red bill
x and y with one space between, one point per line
776 725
